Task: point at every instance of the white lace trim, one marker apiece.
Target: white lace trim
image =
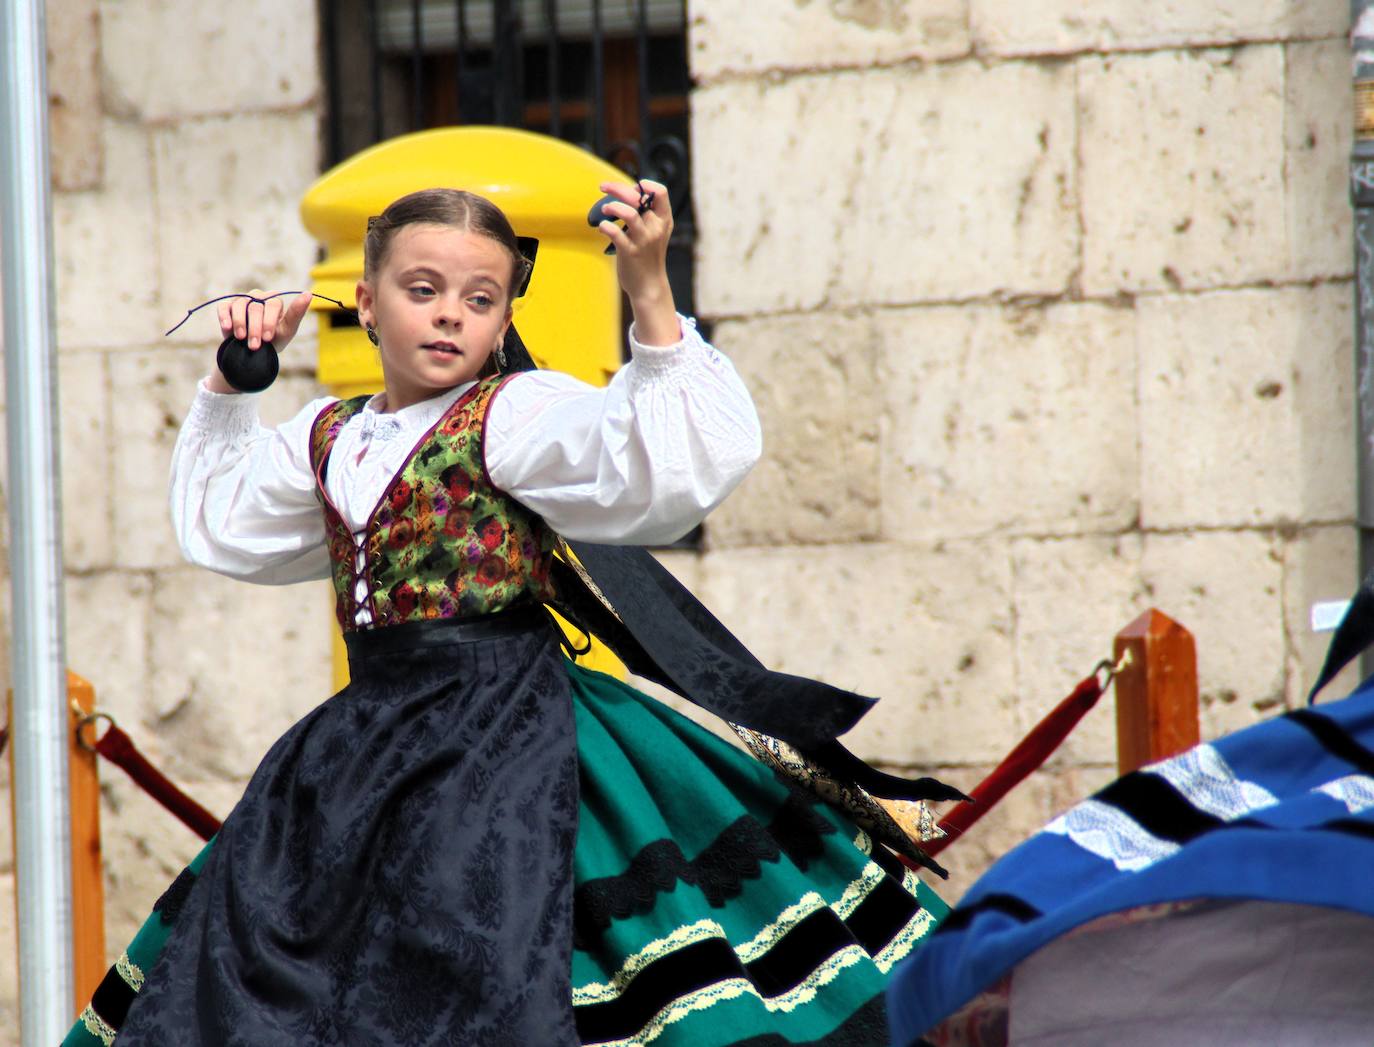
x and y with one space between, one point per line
1356 791
1203 776
1106 832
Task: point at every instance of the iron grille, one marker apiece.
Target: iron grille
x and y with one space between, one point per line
608 75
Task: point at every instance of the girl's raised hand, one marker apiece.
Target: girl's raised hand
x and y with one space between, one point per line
255 322
641 256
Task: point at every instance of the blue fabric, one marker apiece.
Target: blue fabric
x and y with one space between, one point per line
1252 824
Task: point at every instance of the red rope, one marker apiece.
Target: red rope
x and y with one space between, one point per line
119 749
1033 750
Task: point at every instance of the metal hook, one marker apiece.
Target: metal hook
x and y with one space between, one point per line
1112 670
86 720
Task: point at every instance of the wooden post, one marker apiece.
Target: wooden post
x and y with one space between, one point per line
88 885
1156 694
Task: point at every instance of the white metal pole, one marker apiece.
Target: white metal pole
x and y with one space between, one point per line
41 801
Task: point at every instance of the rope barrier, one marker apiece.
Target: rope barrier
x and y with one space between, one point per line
120 750
1029 755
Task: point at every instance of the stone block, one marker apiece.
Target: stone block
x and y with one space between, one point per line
108 639
76 148
1227 589
144 847
1007 420
1246 408
170 59
926 629
154 389
1015 27
732 38
228 190
816 387
887 186
1319 564
86 452
233 666
1317 121
106 251
1072 597
1176 193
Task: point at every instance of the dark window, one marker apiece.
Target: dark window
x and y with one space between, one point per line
608 75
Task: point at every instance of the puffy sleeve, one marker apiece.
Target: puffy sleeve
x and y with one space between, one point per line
640 462
243 496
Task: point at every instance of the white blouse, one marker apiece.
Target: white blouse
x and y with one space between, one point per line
639 462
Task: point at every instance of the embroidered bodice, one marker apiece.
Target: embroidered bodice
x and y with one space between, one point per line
442 541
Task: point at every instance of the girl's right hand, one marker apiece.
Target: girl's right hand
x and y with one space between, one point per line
276 321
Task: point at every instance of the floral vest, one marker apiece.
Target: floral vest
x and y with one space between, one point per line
442 542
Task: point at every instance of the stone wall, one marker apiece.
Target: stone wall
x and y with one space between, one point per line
1047 308
177 169
1047 314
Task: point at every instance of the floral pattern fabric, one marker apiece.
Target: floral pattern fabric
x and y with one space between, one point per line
441 542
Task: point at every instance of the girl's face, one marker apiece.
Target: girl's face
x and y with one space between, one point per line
440 303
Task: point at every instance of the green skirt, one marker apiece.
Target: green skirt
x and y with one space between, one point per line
714 903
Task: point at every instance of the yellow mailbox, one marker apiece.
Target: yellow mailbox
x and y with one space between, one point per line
569 317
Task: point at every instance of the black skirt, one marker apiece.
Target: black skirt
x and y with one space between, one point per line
399 870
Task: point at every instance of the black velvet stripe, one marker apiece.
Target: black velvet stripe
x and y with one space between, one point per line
1334 738
1158 807
681 972
1018 909
112 998
805 946
736 855
786 964
881 915
864 1028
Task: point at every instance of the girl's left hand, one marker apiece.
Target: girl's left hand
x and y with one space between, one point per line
641 253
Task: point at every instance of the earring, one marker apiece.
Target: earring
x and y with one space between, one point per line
372 336
500 356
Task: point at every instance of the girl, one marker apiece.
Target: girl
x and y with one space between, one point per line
477 841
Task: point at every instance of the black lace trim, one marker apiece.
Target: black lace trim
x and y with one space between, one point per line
720 870
174 898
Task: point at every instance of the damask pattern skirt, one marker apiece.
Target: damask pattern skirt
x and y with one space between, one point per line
402 871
